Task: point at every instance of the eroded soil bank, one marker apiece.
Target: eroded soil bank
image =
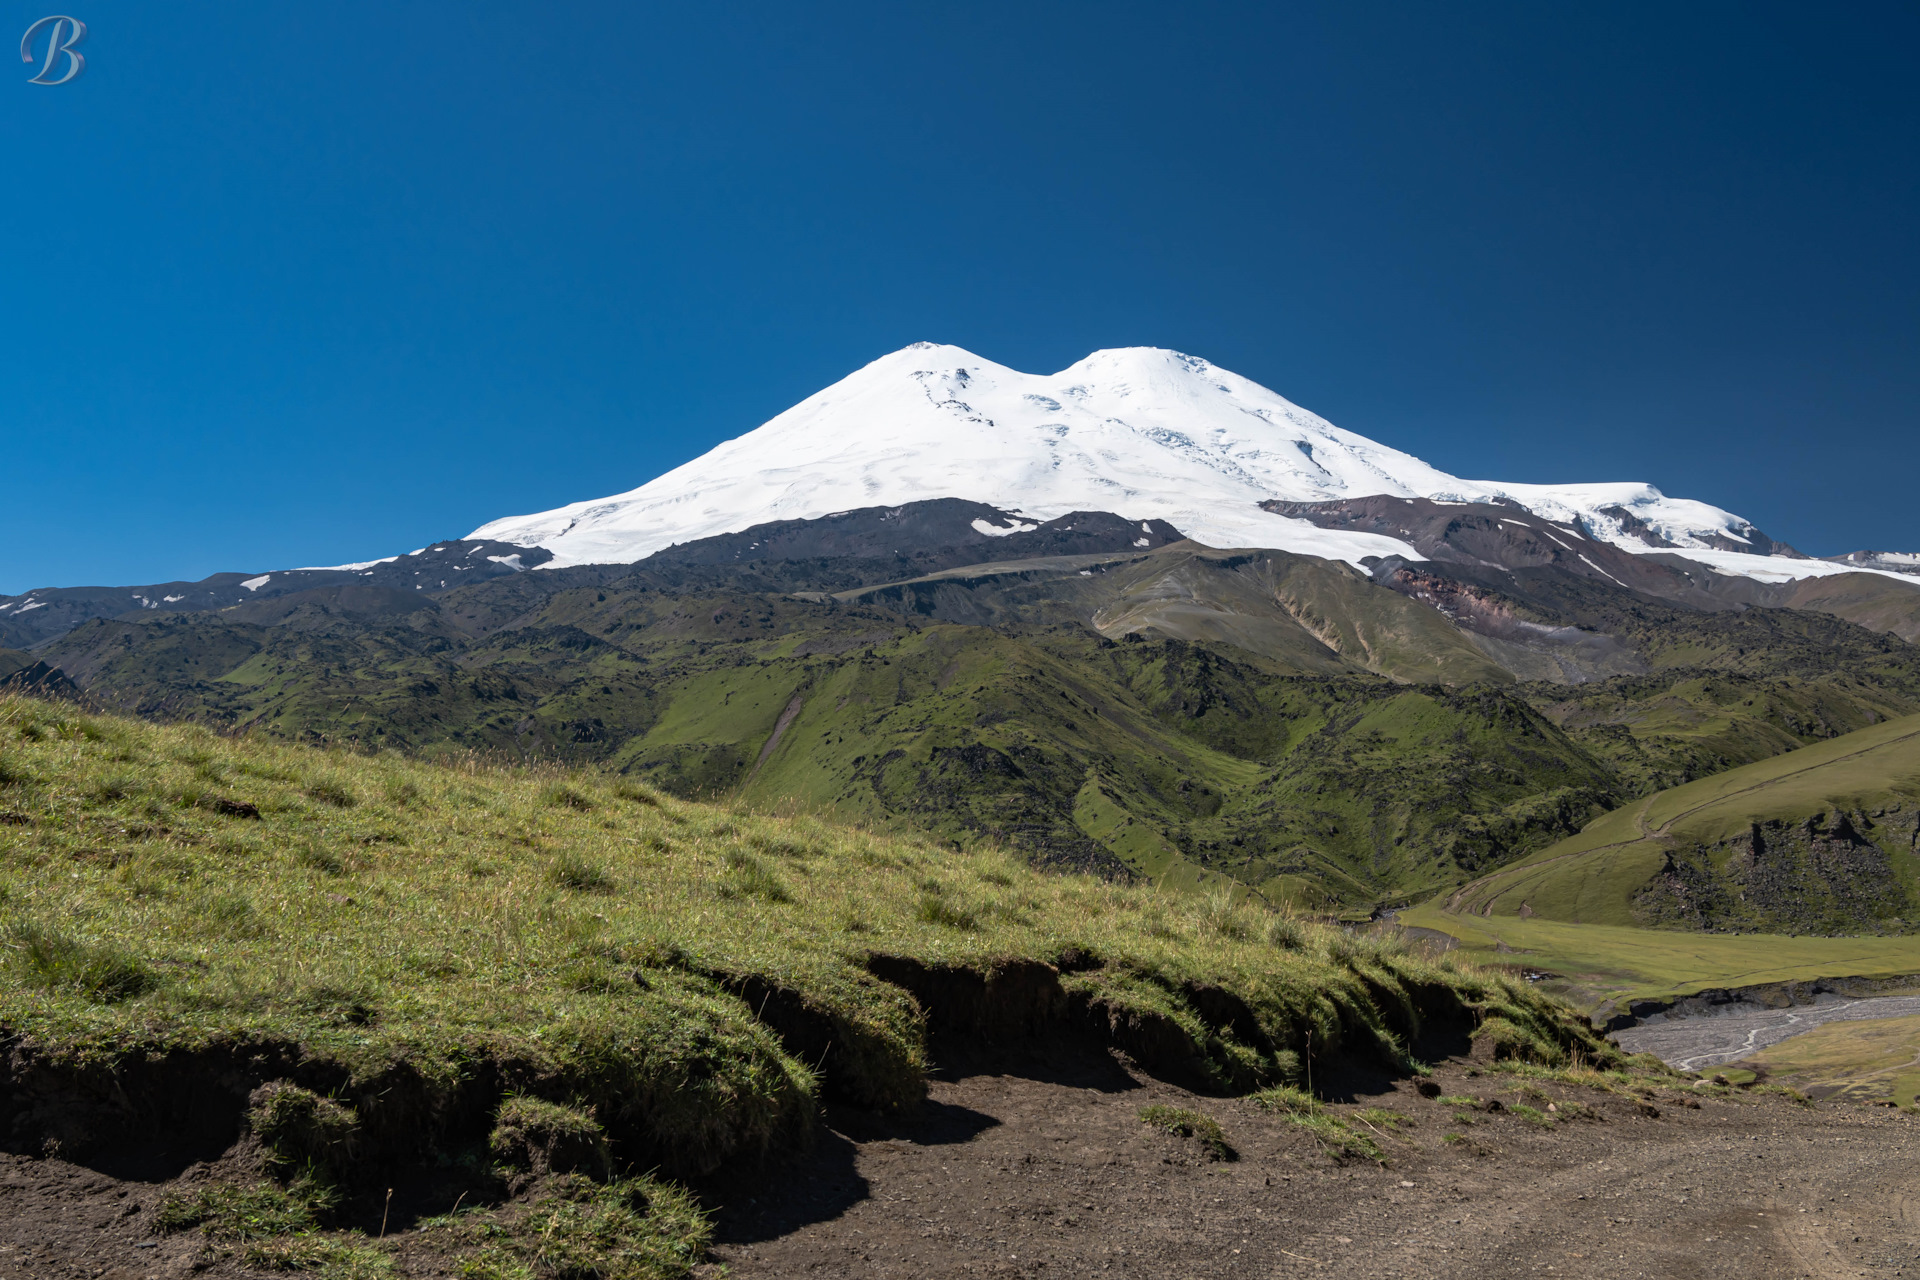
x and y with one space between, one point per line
1037 1165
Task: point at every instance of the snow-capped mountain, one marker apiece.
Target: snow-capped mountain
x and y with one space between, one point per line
1149 433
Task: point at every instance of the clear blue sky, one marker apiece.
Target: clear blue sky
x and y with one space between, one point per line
296 283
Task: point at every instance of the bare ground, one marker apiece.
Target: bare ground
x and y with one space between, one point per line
1038 1166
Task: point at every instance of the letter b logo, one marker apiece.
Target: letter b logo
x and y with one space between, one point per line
65 34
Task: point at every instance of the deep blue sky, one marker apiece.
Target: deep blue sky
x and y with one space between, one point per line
295 283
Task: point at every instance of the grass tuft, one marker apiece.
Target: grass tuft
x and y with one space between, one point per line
541 1137
114 789
1334 1134
331 790
231 1212
748 877
232 914
635 793
573 1228
934 909
325 1257
319 857
1182 1123
1383 1118
53 961
571 871
302 1131
561 796
346 1004
1287 1100
1286 933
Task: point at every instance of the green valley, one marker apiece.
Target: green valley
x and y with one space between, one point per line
1821 839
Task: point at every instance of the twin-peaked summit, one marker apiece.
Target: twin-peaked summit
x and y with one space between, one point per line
1146 432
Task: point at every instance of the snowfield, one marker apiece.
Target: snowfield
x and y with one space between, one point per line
1144 432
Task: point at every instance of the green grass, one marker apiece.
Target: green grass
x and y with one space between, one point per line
1194 763
1607 964
275 1228
1308 733
625 1229
688 979
1382 1119
1601 875
230 1212
1184 1123
1869 1061
1335 1136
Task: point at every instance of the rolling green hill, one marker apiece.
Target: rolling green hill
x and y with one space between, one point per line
1821 839
1313 779
386 970
1168 711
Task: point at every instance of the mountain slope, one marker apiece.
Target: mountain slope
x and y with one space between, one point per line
1095 691
1822 839
1154 433
1149 756
1310 615
38 616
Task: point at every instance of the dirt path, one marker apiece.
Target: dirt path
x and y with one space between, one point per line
1704 1041
1040 1168
1048 1173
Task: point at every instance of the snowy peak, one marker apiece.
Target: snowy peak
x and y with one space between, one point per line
1142 431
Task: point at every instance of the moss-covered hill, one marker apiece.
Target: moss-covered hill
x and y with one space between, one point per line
1824 839
366 958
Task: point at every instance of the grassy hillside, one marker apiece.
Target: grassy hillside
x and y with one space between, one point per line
1599 965
1663 730
1320 617
1183 714
386 965
1819 839
1213 762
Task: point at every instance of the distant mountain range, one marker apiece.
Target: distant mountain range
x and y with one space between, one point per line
1148 432
1142 617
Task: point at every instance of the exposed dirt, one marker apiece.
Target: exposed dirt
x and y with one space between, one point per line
1038 1166
1043 1169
